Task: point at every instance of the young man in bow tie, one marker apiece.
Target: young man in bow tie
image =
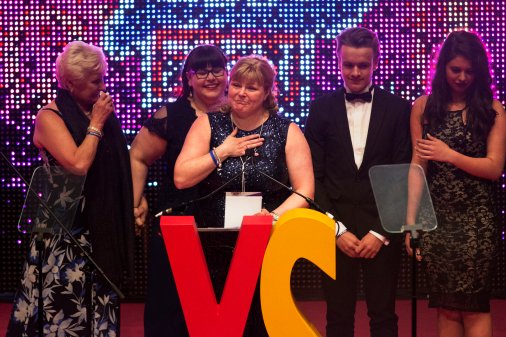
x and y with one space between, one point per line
349 131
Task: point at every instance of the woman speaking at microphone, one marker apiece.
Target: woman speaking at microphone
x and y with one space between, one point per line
246 136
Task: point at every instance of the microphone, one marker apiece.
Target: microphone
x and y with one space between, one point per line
310 201
176 208
182 205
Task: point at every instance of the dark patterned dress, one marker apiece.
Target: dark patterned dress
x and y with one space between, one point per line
459 253
68 288
77 300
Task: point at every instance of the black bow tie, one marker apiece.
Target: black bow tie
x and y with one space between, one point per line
365 96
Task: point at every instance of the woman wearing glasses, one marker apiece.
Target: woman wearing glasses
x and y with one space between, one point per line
204 80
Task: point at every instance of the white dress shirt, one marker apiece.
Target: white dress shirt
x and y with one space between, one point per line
359 116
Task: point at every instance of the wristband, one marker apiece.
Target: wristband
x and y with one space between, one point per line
211 152
217 158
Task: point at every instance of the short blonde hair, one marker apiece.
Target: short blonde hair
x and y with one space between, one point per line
256 68
77 61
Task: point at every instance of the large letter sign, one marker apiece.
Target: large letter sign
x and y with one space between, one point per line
204 316
299 233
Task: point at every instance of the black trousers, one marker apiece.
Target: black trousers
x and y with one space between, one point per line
380 284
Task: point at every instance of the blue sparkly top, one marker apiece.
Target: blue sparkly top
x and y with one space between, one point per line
271 160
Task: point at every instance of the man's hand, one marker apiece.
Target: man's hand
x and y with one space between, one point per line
369 246
348 244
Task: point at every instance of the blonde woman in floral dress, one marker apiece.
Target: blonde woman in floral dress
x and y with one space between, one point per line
80 132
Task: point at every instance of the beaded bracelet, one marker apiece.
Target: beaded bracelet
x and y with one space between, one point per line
95 130
217 158
94 133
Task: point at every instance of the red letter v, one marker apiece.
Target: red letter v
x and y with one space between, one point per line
204 316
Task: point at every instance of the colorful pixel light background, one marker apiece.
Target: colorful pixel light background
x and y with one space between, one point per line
146 42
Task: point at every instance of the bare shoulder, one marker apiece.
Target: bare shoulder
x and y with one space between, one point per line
48 123
51 107
295 137
419 105
48 112
202 120
201 126
293 127
420 101
498 107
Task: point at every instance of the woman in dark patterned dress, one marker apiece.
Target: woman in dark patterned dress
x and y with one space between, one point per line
204 81
80 132
459 137
215 151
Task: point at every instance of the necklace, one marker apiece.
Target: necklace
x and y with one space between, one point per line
243 162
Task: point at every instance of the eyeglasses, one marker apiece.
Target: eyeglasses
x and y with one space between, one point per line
203 73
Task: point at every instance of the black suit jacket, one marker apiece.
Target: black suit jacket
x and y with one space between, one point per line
341 188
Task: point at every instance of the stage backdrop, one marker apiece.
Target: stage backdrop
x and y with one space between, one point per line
146 41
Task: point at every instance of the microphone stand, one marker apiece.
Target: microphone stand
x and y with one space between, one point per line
310 201
39 244
171 209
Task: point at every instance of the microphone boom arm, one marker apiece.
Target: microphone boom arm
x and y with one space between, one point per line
170 209
310 201
66 230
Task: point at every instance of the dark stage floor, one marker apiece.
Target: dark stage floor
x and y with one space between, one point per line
131 318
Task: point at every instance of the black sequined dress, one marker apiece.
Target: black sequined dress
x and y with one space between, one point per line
459 254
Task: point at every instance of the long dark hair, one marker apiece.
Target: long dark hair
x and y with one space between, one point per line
200 58
480 114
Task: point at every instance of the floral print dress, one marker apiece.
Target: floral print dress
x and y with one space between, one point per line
70 288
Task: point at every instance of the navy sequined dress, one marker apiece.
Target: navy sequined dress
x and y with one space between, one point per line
271 160
210 212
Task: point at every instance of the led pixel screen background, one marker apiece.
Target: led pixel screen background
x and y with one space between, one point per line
146 42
